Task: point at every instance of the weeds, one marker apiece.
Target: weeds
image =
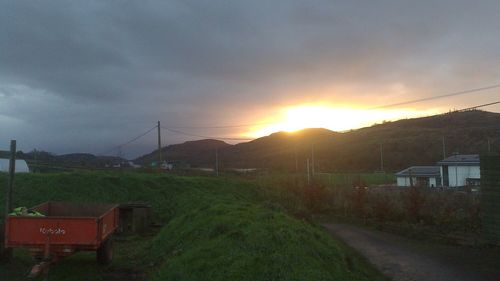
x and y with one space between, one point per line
412 210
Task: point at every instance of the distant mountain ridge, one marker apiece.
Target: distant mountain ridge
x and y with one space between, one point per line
403 143
406 142
83 160
194 153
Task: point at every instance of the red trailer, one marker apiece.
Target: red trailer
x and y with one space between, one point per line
64 229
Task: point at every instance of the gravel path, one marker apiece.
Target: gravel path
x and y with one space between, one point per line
403 259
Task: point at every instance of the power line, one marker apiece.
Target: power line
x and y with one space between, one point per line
202 136
174 128
438 97
479 106
469 91
222 126
128 142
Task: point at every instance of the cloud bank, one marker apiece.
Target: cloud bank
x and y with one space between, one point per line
87 75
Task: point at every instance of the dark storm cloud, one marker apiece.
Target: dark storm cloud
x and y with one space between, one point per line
84 75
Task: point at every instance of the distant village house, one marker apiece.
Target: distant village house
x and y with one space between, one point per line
454 171
427 176
460 170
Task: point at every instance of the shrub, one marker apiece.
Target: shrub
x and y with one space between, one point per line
414 200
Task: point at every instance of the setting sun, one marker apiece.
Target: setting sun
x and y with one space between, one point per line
333 118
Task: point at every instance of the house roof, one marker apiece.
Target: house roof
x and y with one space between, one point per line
420 171
461 160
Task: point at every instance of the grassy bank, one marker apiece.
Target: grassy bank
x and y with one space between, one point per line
214 229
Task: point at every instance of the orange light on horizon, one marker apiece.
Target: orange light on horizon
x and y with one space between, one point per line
300 117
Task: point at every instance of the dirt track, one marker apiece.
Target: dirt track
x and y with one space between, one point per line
404 259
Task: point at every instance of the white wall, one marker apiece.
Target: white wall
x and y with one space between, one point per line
432 182
405 181
21 166
442 175
457 175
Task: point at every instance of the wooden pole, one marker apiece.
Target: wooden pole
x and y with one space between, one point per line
444 149
7 253
296 160
159 145
312 162
10 182
308 173
381 158
35 152
411 178
216 162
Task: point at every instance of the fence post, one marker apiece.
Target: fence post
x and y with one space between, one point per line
7 253
10 183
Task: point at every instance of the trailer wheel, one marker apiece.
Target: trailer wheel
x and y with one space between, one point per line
105 252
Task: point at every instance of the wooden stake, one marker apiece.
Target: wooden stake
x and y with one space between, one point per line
7 253
10 182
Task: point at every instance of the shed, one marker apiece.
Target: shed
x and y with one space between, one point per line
428 176
134 217
21 165
460 170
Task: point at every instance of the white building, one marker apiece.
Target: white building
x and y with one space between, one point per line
427 176
167 166
460 170
21 166
133 165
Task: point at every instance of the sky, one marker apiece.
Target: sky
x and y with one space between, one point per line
86 76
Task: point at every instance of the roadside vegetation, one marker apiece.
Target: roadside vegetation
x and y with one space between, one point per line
212 229
448 215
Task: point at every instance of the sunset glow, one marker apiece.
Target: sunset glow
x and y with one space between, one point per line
333 118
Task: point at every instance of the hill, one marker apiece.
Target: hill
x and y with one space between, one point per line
46 161
192 153
417 141
276 151
213 229
87 159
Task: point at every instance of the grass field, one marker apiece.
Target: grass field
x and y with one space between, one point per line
329 179
214 229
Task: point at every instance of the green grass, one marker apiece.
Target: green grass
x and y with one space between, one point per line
214 229
328 179
347 179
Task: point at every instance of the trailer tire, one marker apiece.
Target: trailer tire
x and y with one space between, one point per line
105 252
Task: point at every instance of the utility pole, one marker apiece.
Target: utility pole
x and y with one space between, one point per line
119 152
35 152
411 178
217 162
7 253
489 145
296 161
312 157
381 158
444 149
308 173
119 155
159 145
